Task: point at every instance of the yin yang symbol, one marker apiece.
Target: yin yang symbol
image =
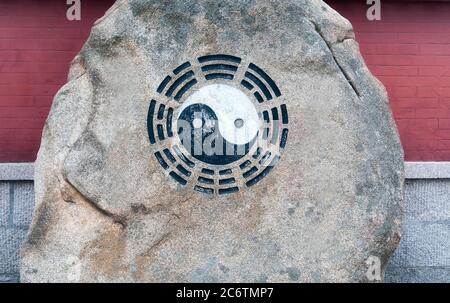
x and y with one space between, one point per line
217 124
221 124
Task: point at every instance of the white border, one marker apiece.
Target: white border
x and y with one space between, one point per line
16 171
413 170
427 170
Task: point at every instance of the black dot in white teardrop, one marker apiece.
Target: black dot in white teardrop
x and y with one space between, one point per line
238 123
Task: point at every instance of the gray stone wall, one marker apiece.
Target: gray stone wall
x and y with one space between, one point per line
423 254
16 207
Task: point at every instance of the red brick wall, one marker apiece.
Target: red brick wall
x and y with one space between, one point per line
409 51
37 43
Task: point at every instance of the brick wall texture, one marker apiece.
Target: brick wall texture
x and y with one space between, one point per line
37 44
408 50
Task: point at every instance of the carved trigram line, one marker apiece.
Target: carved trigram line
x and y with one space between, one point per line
275 132
220 182
178 84
176 170
210 183
260 84
219 66
162 126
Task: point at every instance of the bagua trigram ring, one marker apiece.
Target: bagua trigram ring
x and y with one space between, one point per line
218 125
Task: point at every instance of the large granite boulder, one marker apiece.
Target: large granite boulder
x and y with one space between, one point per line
310 190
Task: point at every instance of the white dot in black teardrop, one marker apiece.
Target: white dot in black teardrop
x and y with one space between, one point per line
197 123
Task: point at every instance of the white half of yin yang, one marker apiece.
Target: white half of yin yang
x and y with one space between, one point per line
230 105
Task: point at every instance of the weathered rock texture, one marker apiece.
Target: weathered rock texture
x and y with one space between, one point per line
106 211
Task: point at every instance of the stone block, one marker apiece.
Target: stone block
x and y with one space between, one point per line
418 275
10 242
4 204
427 200
427 244
23 203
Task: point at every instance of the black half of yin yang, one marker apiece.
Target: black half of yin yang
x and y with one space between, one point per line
198 129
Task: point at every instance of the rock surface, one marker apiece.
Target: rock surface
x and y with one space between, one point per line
106 210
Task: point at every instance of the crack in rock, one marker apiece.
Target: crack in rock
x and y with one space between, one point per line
330 48
71 194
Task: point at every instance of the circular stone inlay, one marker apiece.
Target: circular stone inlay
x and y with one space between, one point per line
217 124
